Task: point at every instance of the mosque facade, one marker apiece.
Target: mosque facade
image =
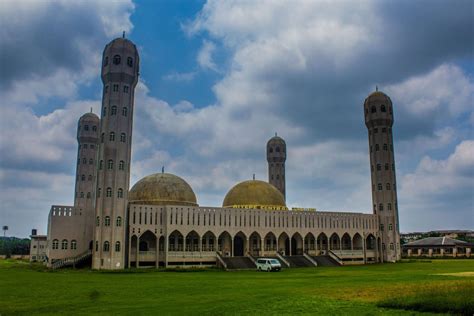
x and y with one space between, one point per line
158 222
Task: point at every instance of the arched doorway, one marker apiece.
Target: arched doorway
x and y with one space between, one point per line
334 242
370 242
296 245
239 244
357 243
309 243
175 241
284 244
192 241
270 242
208 242
346 242
255 241
224 244
322 243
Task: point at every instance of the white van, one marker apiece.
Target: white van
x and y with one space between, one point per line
268 264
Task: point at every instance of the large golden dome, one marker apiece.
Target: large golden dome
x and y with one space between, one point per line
254 194
162 189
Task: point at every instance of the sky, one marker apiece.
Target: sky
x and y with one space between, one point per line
219 78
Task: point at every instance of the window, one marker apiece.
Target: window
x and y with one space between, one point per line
55 244
125 89
373 109
390 227
382 108
380 187
101 165
118 222
64 244
389 206
386 166
391 246
73 245
271 149
277 149
375 208
84 161
83 177
120 193
84 146
385 147
130 62
102 138
379 167
121 165
92 146
117 60
99 191
109 192
86 127
381 227
117 246
380 207
115 87
106 61
88 195
91 161
104 111
377 148
123 137
124 111
106 246
107 221
112 136
387 186
113 110
106 89
110 164
94 129
97 221
376 130
384 130
82 194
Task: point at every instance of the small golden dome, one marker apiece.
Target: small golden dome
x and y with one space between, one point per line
162 189
254 194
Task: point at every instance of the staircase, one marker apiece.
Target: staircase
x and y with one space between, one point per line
298 261
72 261
325 261
234 263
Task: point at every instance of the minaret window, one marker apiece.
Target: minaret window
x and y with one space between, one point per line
97 221
83 177
55 244
102 138
381 207
73 244
110 164
277 149
117 60
383 108
385 147
94 128
115 87
386 166
130 62
101 165
109 192
373 109
384 130
121 165
124 111
120 193
85 146
106 89
117 246
86 127
388 186
113 110
376 130
125 89
64 244
123 137
377 148
379 167
88 195
91 161
112 136
96 245
106 61
106 246
271 149
82 195
104 111
391 246
381 227
107 221
118 221
84 161
389 206
380 187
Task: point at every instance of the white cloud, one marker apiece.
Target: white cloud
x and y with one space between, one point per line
180 76
204 57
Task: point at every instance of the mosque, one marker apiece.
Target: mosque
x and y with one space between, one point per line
158 222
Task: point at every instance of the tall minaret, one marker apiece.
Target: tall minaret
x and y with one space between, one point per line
378 113
120 66
276 157
84 199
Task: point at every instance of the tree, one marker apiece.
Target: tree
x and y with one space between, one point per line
5 228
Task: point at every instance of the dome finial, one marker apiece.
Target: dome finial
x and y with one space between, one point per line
123 34
91 109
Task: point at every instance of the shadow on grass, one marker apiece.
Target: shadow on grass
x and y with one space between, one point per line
456 298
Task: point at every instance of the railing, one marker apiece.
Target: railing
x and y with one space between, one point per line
283 259
310 259
334 257
221 260
191 254
249 255
348 253
71 261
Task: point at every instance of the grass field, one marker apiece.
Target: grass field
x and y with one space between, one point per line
357 290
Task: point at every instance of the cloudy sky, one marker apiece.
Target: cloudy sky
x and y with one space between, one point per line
219 78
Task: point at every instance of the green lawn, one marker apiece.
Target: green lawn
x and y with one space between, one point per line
358 290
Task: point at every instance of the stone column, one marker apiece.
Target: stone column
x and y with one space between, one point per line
430 252
455 252
137 261
262 246
166 250
409 252
157 252
289 242
231 246
247 247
